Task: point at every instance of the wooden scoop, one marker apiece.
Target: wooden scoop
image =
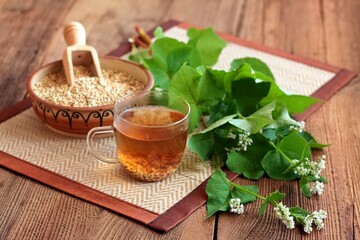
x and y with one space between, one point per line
78 53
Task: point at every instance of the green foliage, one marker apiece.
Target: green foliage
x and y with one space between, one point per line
206 46
255 63
247 93
248 163
277 162
202 144
271 199
167 55
198 88
276 165
304 186
256 121
220 190
242 106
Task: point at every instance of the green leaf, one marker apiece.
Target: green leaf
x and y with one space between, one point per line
294 103
304 186
248 163
297 145
299 214
168 55
313 143
161 77
256 121
270 133
245 71
219 123
185 84
248 94
209 92
224 79
206 45
244 196
158 32
223 108
294 147
202 144
240 163
283 118
139 55
313 179
199 91
218 192
255 63
297 103
271 199
275 165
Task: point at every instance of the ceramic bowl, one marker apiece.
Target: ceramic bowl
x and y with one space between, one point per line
77 121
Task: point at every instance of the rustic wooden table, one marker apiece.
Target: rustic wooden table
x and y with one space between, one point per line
328 31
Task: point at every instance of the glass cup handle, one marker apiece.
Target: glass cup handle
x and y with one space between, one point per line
90 142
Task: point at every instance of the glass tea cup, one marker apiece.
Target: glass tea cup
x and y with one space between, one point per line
150 132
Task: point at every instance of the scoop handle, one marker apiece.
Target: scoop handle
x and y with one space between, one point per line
74 34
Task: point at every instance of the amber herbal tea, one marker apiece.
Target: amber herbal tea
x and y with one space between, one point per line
150 132
149 143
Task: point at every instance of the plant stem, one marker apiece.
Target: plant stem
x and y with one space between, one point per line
281 152
247 191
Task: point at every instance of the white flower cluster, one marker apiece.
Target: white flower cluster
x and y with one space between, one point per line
283 213
317 167
317 188
302 169
317 218
300 128
236 206
310 167
244 140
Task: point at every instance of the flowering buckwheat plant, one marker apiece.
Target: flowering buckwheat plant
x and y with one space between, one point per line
244 194
307 219
311 181
251 128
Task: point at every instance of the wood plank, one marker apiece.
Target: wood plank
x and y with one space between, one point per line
107 14
221 15
342 36
25 31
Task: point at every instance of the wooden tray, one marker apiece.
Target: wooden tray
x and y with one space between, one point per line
334 78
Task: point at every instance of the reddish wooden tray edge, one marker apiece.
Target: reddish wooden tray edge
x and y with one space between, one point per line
76 189
341 79
195 199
